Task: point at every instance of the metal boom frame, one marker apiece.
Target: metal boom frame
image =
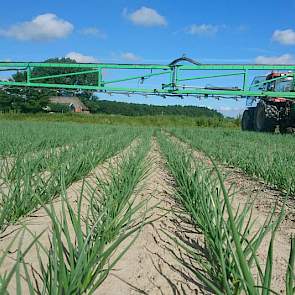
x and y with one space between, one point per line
173 74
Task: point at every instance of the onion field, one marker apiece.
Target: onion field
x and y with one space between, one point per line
101 209
269 157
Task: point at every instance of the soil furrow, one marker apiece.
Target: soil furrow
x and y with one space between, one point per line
247 189
39 221
149 266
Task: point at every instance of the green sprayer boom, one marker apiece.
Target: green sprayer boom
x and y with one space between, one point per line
174 79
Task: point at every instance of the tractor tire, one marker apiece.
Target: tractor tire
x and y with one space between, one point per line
287 129
283 129
261 122
247 123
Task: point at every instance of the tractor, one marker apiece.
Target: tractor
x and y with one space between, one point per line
270 112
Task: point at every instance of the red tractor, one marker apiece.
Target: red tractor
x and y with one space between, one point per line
270 112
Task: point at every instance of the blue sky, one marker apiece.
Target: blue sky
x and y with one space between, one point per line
150 32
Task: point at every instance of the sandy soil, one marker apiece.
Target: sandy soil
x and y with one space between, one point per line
247 190
149 266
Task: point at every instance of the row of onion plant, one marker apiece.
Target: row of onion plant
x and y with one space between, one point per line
22 137
269 157
28 182
79 263
227 261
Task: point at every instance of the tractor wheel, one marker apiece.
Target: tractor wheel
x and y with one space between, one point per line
247 123
261 122
283 129
287 129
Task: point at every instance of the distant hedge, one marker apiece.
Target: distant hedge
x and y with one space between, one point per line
134 109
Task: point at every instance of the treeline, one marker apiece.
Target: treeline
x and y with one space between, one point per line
134 109
32 100
89 79
23 100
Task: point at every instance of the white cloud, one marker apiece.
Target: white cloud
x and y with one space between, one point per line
286 37
130 56
4 78
226 60
282 59
228 109
146 17
78 57
94 32
203 29
6 60
43 27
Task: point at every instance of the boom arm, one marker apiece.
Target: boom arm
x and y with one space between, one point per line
173 82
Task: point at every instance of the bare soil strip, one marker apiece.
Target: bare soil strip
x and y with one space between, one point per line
40 221
149 266
265 198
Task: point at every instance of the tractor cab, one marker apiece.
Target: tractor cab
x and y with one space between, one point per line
275 84
279 82
270 111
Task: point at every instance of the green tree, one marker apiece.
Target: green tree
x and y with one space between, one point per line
32 100
26 100
133 109
89 79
